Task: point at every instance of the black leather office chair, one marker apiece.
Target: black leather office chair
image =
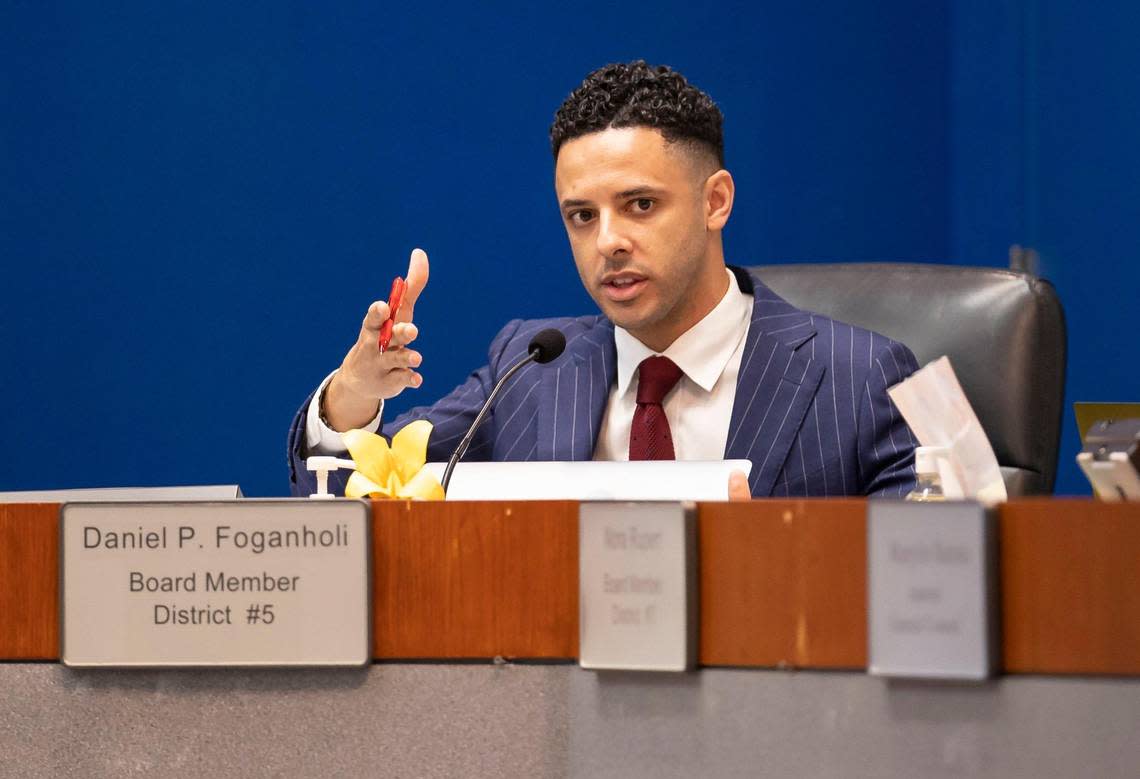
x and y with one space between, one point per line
1004 332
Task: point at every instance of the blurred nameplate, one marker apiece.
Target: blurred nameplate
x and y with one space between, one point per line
638 586
931 589
240 583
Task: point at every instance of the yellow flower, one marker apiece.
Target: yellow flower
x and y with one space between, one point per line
392 472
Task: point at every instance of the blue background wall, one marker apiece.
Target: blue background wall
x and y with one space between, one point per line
197 203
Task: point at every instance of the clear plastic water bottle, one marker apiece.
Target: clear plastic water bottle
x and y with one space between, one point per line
929 486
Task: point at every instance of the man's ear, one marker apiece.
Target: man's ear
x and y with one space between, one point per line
720 190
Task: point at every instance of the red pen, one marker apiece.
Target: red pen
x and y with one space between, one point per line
395 298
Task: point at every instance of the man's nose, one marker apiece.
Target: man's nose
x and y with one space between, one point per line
612 237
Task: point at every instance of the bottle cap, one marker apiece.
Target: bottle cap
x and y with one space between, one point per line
926 458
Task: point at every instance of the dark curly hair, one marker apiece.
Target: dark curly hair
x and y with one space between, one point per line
640 95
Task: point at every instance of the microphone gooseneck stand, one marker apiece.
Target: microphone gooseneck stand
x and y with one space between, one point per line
543 348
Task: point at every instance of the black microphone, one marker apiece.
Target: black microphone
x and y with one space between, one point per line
543 348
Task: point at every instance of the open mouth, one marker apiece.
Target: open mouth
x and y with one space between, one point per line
623 288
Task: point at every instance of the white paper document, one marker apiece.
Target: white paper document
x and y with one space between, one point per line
932 402
640 480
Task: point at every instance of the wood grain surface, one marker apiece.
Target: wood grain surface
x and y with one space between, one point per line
29 581
782 583
475 579
1070 572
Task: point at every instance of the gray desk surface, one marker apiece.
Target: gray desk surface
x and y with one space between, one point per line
556 720
129 494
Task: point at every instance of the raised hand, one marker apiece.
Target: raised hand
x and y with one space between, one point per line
368 376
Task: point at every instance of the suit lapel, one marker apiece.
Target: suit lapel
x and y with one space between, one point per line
573 395
774 388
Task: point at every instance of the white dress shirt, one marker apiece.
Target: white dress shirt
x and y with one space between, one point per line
322 439
699 408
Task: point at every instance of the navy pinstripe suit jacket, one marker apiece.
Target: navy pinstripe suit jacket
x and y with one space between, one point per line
811 409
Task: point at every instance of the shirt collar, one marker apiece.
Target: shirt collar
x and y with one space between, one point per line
702 352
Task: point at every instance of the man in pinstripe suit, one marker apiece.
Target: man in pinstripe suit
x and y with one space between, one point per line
640 179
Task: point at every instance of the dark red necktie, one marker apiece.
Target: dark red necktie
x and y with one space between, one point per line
649 438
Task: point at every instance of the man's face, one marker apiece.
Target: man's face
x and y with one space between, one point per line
635 209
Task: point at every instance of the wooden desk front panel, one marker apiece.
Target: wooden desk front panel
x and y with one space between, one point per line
1070 572
29 581
475 579
783 583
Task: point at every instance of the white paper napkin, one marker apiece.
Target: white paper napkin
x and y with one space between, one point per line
933 404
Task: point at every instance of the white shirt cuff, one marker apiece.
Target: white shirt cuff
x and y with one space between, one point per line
320 439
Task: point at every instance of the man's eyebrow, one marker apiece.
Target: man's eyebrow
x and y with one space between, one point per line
636 192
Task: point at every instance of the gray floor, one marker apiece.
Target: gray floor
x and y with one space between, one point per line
485 720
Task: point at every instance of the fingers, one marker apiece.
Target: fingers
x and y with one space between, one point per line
417 279
395 359
403 333
376 316
738 486
409 377
378 312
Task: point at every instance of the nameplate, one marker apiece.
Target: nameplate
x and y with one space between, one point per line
242 583
931 590
638 586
